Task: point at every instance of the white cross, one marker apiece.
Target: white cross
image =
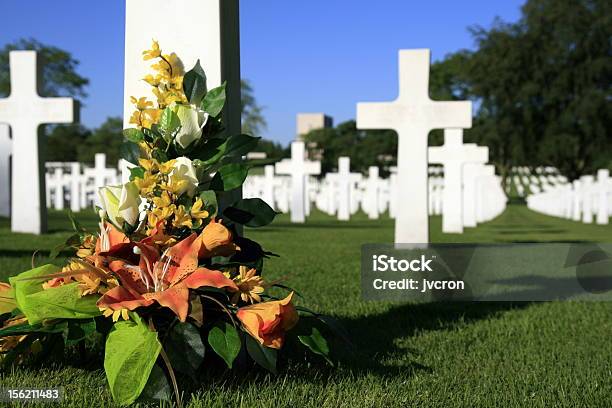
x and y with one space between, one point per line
603 190
101 176
587 198
298 168
5 171
345 182
75 186
413 115
24 111
372 193
452 155
269 182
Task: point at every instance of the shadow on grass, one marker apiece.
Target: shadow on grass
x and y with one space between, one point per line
376 337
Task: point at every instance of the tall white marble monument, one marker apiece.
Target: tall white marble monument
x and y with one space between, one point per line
204 30
413 115
24 111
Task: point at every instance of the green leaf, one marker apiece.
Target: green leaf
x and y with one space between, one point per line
209 198
194 84
239 145
25 328
224 340
136 172
316 343
131 352
157 387
71 241
185 348
133 135
211 151
264 356
214 100
77 330
229 177
168 124
234 146
130 152
62 302
159 155
252 212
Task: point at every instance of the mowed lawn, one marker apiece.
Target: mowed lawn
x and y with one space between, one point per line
425 355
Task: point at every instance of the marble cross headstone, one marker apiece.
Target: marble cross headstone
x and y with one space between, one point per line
470 172
298 168
268 185
372 193
5 171
344 181
587 198
452 155
603 191
24 111
413 115
75 186
204 30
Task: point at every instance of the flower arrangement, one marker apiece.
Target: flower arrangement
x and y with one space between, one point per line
167 275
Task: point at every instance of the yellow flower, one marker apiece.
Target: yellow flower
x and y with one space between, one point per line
160 214
181 218
197 213
135 118
250 286
176 185
148 164
154 52
150 117
116 314
141 103
153 80
167 167
147 184
163 201
87 247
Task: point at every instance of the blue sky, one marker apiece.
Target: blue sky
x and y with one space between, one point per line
301 56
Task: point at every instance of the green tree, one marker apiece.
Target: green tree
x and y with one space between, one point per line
364 147
63 142
59 76
105 139
253 121
541 86
273 150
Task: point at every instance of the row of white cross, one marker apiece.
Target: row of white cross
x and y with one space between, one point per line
586 199
469 192
526 182
75 186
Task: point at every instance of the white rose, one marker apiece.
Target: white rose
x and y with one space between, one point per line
192 120
121 203
184 174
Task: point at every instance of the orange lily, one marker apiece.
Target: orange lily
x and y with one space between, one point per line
165 279
269 321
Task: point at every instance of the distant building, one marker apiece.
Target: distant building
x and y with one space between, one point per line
305 122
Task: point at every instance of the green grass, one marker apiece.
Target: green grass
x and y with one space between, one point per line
426 355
